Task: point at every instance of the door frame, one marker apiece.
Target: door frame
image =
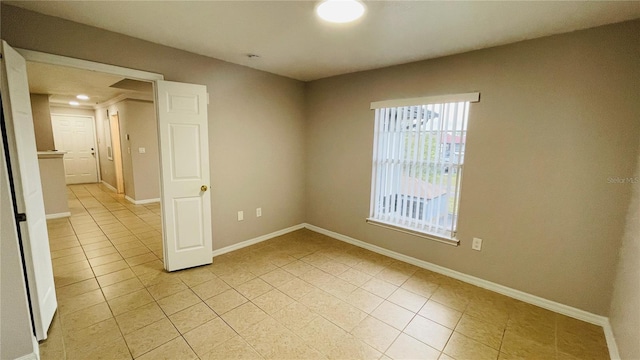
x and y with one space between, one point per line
95 138
154 78
52 59
116 150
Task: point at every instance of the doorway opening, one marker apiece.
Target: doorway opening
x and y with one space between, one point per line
179 135
182 232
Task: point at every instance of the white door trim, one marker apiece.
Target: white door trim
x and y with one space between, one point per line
45 58
95 138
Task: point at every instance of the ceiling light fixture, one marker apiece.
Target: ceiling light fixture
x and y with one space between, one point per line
340 11
82 97
74 103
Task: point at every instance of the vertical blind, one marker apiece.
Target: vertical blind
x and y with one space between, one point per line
418 158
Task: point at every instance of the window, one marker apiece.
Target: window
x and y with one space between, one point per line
418 158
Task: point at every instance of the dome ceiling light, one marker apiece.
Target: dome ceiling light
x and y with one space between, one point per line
340 11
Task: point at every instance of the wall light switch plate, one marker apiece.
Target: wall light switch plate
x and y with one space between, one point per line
476 244
142 150
258 212
240 215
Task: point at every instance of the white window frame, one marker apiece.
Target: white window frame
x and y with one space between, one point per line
409 224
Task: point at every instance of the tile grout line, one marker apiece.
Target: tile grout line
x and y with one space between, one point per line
156 302
315 266
91 266
103 295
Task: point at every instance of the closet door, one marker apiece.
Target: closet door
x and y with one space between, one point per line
184 158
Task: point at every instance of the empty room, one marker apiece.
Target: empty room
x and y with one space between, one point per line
336 179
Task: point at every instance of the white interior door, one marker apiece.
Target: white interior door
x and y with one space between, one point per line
184 157
28 190
76 136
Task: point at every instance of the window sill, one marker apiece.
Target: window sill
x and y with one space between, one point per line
444 240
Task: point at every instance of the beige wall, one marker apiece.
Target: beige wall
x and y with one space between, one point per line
625 306
42 122
141 171
142 127
558 116
256 119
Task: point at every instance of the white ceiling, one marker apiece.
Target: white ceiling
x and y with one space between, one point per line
64 83
292 42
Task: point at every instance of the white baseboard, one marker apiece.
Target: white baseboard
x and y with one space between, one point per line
256 240
142 202
58 215
501 289
147 201
108 186
611 341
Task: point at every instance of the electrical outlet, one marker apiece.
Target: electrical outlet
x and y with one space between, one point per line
240 215
258 212
476 244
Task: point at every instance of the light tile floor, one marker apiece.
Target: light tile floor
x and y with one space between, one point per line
299 296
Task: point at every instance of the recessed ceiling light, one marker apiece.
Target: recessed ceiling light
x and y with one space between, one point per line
74 103
82 97
340 11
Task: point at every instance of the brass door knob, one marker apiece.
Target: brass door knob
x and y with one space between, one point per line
203 188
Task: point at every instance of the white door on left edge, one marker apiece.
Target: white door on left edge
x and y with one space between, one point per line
76 136
21 141
184 160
